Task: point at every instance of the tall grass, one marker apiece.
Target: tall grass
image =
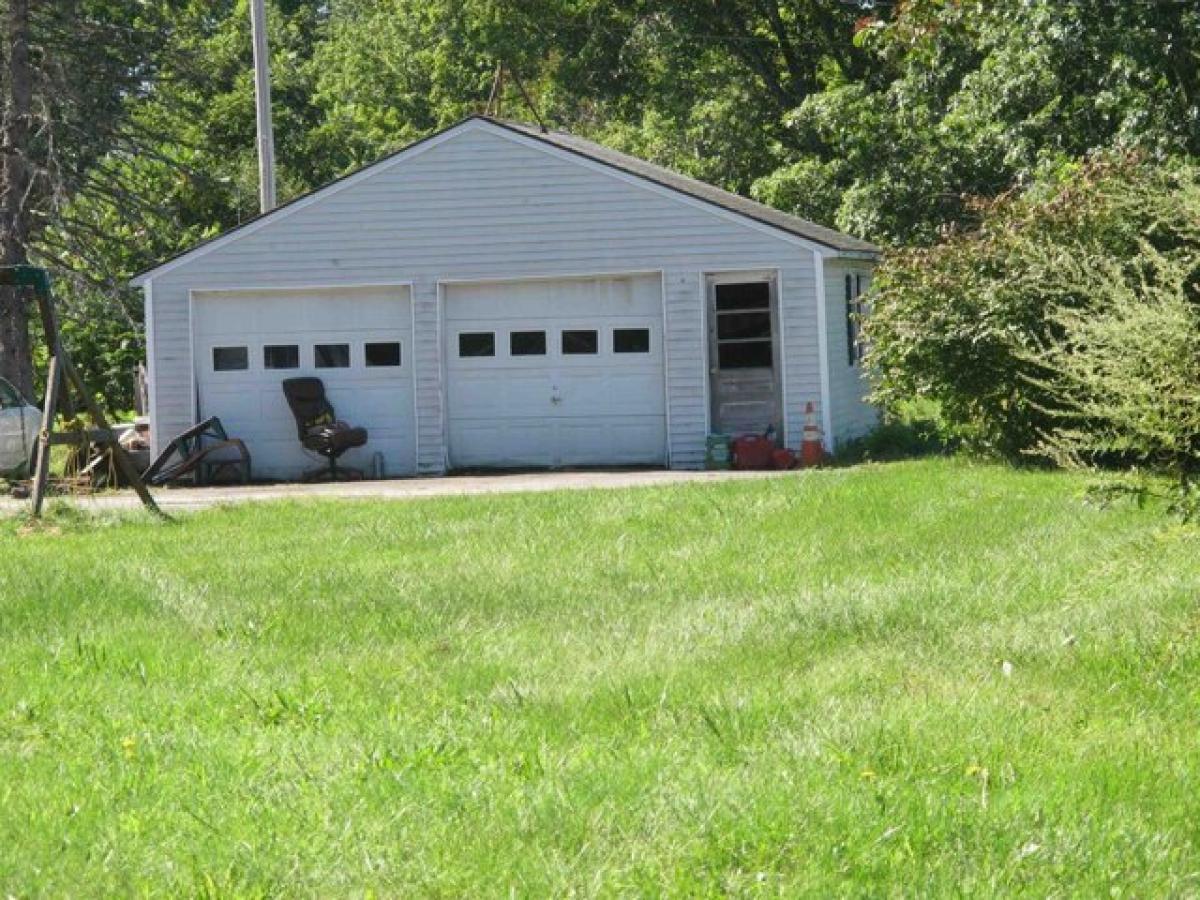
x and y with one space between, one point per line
930 678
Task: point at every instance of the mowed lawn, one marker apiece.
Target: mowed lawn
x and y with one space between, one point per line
924 678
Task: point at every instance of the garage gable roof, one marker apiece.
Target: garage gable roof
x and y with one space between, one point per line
589 150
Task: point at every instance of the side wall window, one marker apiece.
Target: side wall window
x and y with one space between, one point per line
854 311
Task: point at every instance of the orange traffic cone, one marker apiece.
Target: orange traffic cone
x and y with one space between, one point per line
812 449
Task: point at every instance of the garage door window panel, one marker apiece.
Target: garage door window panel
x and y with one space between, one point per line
281 356
527 343
631 340
580 342
332 356
476 344
230 359
382 355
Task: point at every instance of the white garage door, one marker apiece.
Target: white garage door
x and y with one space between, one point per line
357 341
556 373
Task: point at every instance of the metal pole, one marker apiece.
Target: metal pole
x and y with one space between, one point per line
262 98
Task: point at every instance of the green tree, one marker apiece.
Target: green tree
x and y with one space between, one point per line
184 169
1122 373
962 323
70 68
970 98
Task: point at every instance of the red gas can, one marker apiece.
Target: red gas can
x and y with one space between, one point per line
753 451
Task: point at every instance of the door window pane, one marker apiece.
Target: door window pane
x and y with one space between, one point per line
478 343
745 355
527 343
332 356
281 356
382 355
230 359
744 325
631 340
754 295
580 342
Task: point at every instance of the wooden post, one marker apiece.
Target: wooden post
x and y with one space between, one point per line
50 328
120 457
41 472
61 379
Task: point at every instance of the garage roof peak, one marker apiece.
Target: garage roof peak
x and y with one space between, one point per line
710 195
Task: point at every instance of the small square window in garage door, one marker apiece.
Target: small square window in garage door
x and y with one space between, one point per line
332 356
383 355
281 356
631 340
527 343
477 343
230 359
580 342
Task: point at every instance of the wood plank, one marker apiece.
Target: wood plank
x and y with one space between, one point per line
42 472
120 457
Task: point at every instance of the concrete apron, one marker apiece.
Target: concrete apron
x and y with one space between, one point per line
186 498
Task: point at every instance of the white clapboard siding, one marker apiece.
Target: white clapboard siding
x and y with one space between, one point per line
484 203
852 415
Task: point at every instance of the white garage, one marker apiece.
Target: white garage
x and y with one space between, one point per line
555 304
566 372
357 341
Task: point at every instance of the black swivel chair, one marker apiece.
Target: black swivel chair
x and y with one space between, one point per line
319 429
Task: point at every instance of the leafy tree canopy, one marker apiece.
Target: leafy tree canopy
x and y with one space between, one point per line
884 119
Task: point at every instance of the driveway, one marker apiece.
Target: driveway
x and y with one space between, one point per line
185 498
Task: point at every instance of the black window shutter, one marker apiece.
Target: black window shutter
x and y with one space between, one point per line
851 352
858 311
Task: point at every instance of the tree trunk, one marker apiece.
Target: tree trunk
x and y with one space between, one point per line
16 362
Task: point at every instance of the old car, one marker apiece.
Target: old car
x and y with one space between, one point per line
19 424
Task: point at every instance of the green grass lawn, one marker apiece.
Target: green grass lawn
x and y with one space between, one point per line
791 686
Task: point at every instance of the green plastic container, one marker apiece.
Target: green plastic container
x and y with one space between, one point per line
718 452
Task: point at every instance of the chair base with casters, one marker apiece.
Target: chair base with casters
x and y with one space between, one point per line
320 431
332 443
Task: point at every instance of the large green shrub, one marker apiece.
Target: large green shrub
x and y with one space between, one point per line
969 322
1123 372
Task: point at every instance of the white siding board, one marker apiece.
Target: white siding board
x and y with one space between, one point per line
803 370
848 385
426 341
482 205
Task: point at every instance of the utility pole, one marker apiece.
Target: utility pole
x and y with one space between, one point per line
262 99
